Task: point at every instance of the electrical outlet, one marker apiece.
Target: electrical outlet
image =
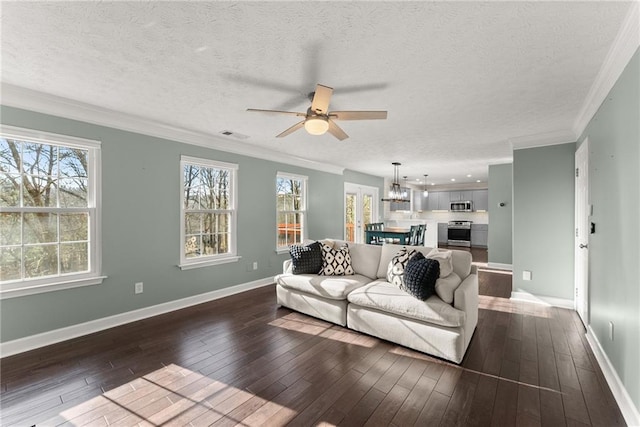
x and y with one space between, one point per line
526 275
139 288
255 265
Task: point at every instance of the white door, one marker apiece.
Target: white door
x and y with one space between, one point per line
360 208
582 212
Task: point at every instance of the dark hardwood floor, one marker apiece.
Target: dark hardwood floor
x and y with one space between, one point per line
242 360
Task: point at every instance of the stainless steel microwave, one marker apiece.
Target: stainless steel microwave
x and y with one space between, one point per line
460 206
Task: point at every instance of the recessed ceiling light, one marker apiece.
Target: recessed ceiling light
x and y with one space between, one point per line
477 180
469 176
433 183
453 179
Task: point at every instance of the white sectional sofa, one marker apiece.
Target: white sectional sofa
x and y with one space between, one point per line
366 302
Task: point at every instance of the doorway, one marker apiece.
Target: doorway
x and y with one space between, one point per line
582 213
360 208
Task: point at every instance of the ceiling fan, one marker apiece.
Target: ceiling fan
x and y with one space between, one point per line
318 119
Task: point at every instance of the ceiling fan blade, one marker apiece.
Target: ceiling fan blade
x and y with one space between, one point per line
320 103
291 113
291 129
336 131
358 115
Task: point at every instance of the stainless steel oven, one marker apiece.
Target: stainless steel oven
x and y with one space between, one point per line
459 233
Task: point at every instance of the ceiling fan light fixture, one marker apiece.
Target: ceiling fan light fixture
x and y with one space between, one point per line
316 125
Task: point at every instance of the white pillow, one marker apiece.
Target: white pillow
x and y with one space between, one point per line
445 259
446 286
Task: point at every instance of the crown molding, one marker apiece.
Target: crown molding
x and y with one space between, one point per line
20 97
543 139
623 48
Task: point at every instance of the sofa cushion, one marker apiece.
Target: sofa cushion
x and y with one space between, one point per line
384 296
395 270
365 259
446 287
306 259
332 287
462 261
336 262
444 258
420 276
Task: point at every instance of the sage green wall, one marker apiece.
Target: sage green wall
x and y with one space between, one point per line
543 220
614 254
140 226
500 218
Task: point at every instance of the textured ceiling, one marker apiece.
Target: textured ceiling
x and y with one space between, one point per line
459 79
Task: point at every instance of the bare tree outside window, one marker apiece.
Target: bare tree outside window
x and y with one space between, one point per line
208 210
44 210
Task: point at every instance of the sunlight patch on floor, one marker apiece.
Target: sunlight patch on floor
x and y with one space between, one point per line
510 306
171 394
308 325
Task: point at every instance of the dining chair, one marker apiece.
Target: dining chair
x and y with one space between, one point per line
375 226
416 235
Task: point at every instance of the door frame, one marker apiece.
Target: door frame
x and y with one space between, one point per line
360 190
582 215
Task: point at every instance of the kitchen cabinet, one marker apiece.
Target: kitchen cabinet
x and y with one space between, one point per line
443 231
441 200
419 201
402 206
444 201
481 200
432 200
479 235
460 196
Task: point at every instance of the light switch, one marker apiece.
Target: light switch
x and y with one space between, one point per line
526 275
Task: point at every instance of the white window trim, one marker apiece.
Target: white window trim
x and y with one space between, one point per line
24 287
232 256
305 192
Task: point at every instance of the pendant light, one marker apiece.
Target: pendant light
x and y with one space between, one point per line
395 192
425 193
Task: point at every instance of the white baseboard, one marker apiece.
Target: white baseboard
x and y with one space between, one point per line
627 407
541 299
500 266
32 342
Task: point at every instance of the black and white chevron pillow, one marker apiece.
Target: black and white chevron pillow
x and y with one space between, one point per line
336 262
395 271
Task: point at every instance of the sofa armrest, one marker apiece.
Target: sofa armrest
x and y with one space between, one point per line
465 298
287 266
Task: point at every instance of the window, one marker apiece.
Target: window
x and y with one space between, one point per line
49 216
291 194
208 212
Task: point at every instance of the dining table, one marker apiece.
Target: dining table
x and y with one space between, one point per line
388 235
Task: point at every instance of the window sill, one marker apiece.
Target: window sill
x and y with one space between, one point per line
209 262
281 251
26 289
